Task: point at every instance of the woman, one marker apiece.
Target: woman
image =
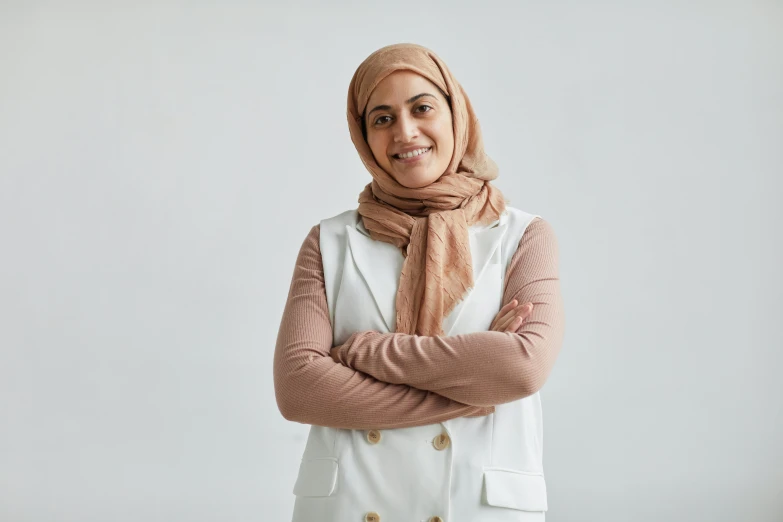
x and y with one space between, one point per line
422 391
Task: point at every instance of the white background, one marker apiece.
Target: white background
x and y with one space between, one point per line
161 163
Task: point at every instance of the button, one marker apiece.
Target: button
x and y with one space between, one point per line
441 442
373 436
372 516
436 519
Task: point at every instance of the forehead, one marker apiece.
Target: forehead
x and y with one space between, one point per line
399 86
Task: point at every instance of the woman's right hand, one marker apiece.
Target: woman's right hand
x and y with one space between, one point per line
511 316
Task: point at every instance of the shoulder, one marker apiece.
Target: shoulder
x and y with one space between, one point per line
532 230
518 218
332 231
338 222
539 242
535 254
332 225
533 224
311 243
333 236
518 223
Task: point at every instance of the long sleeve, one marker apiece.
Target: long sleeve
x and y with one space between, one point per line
311 388
481 368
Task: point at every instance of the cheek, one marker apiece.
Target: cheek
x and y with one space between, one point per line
445 136
377 146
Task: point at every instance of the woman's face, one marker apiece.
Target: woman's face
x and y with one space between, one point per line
406 113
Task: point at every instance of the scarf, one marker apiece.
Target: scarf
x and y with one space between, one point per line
428 224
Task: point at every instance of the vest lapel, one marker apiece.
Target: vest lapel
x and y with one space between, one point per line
380 265
484 246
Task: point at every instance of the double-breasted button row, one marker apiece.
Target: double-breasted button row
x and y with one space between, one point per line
441 442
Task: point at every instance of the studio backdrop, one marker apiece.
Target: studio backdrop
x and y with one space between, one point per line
161 164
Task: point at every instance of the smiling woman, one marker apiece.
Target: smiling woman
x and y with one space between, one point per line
426 319
409 130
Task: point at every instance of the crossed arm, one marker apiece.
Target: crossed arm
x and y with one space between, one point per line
392 380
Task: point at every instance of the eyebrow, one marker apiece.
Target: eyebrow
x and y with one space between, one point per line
409 101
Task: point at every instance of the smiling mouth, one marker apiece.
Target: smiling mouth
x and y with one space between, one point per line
412 154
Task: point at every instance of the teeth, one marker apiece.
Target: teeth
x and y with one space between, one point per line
412 153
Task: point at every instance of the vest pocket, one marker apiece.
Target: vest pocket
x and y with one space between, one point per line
317 478
520 490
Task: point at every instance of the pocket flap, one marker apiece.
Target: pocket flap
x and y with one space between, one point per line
520 490
317 478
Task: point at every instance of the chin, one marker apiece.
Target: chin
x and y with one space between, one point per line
416 182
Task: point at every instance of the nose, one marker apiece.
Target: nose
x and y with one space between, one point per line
406 129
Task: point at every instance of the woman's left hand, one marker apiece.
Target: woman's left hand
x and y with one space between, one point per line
511 316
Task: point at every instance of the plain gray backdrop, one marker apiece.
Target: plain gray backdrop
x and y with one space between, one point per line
160 165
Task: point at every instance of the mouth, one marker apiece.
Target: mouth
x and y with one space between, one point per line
412 156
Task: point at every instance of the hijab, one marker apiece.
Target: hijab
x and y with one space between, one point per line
428 224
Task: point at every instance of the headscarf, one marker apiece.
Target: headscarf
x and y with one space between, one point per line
429 224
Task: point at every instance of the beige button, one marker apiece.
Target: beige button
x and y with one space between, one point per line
436 519
373 436
372 516
441 442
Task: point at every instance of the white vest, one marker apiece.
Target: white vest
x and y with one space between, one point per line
490 469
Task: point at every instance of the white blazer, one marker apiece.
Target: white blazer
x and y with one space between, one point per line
486 469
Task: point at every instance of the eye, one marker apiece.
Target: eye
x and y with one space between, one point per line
424 107
380 120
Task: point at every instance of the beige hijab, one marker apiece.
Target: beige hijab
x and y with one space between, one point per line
429 224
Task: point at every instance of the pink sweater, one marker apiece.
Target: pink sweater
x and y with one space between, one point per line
392 380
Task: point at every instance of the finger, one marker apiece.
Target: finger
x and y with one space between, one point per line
503 325
514 324
508 324
503 311
506 317
522 314
525 314
519 310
